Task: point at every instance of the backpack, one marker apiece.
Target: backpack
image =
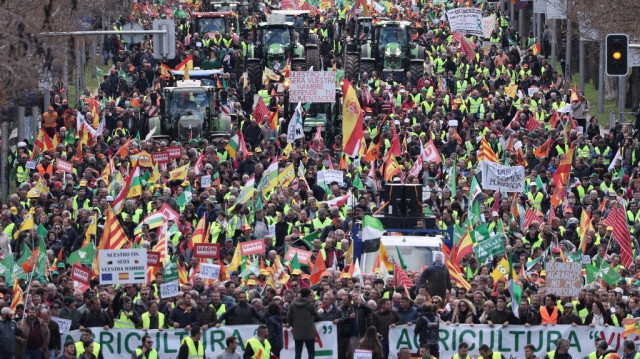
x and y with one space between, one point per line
431 334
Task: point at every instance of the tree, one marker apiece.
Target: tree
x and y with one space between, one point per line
26 54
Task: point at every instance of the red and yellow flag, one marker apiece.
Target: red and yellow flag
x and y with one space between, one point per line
352 120
486 152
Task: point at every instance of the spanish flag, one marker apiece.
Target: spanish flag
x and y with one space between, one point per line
188 62
352 120
535 48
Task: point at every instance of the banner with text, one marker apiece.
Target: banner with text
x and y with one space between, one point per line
503 178
120 343
511 340
466 20
563 279
312 86
488 25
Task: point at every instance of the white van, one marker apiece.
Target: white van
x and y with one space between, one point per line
416 251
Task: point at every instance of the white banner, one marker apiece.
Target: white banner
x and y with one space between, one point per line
120 266
329 176
466 20
511 340
121 343
503 178
488 24
312 86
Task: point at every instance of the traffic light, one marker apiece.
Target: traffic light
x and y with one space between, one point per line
617 52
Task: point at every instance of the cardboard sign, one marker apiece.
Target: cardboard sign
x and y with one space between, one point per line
121 266
466 20
206 250
174 152
160 157
209 271
205 181
169 289
64 165
330 176
488 24
252 247
153 259
563 279
303 256
80 274
362 354
64 324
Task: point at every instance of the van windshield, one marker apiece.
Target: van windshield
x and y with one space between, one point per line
414 257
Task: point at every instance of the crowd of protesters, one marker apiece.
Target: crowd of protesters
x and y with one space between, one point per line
457 104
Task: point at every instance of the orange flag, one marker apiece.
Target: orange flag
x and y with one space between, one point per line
543 150
17 295
318 269
31 262
124 150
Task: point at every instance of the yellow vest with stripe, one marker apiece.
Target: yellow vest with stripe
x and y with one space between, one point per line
123 322
22 174
535 199
153 354
318 224
146 320
259 348
193 352
584 152
80 348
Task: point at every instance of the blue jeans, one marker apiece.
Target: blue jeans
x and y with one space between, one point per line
33 354
52 354
385 348
311 348
5 355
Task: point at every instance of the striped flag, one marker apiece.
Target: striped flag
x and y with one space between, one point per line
154 220
486 152
260 111
561 174
616 219
401 277
529 216
352 120
188 62
236 144
17 295
113 236
200 234
118 202
372 231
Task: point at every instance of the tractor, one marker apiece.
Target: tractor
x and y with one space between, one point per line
218 6
188 110
212 22
390 50
276 43
302 21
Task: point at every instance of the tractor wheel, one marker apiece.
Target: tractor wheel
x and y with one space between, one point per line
254 71
352 67
313 58
367 66
417 69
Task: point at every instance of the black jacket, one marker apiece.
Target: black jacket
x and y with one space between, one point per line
437 280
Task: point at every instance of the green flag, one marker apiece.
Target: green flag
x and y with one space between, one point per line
6 268
400 259
99 74
488 248
610 275
41 263
253 268
474 215
532 262
42 232
357 183
170 272
83 255
516 295
539 183
451 182
592 272
308 240
17 267
185 197
295 263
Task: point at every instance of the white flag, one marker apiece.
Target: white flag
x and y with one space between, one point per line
295 130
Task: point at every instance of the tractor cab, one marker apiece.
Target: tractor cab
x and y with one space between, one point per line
298 19
206 77
220 6
215 22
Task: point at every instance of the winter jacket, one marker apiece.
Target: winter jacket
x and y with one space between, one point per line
383 320
437 278
427 329
25 326
276 337
302 315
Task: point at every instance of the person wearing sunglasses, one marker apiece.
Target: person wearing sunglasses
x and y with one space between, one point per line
145 351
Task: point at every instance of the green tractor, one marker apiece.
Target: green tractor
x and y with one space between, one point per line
275 43
388 50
